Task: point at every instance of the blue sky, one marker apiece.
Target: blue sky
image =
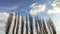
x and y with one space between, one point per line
42 8
21 6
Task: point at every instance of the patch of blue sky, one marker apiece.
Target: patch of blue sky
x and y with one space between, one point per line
24 5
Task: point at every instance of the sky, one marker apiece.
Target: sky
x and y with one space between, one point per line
42 8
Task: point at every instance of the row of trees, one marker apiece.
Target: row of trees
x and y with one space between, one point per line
45 26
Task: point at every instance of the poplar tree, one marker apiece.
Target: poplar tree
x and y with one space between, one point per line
36 24
22 25
13 30
9 21
44 28
31 24
26 25
52 26
40 25
17 29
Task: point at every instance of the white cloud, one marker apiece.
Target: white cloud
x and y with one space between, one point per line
3 16
56 3
54 11
34 4
3 19
10 7
37 8
56 7
14 7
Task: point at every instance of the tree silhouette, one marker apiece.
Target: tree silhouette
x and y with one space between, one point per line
13 30
9 21
31 24
22 25
36 24
44 25
17 24
52 26
40 25
26 25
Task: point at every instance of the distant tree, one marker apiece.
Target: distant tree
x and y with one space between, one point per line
52 26
9 21
40 25
26 25
31 24
36 24
49 27
44 27
17 24
14 24
22 25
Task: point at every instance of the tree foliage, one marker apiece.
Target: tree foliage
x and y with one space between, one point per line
45 26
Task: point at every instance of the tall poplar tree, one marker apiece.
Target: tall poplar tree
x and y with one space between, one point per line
31 24
22 25
9 21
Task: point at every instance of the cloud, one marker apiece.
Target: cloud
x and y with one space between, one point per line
56 4
37 8
34 4
3 16
54 11
56 7
10 7
3 19
14 7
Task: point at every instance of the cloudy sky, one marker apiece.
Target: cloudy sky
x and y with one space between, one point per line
42 8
